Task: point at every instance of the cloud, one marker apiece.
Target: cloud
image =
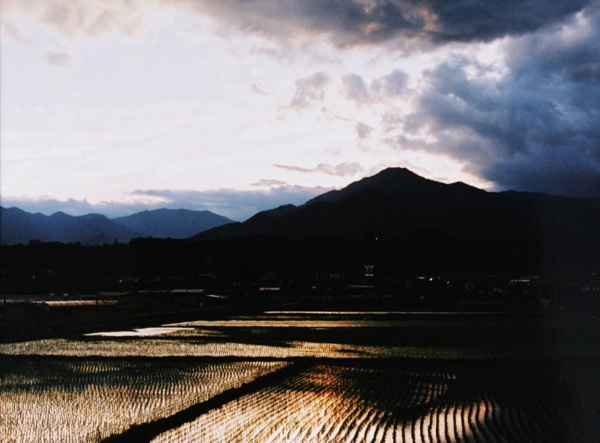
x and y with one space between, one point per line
58 58
363 130
532 128
363 22
391 85
533 125
345 22
342 169
310 89
355 88
467 20
92 18
257 89
14 32
268 182
382 89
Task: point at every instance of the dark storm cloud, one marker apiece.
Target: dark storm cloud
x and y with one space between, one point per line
562 68
468 20
344 22
533 128
358 22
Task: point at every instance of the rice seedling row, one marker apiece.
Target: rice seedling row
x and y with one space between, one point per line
326 403
370 401
87 400
178 346
359 387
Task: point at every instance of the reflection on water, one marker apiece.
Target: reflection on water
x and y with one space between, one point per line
81 400
381 403
332 403
368 377
286 334
207 347
290 323
143 332
393 313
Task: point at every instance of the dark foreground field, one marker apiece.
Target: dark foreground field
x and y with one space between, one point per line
311 377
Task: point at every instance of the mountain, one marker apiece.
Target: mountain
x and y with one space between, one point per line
18 226
397 203
171 223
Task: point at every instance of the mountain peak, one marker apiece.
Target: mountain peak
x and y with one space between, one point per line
396 171
395 202
390 181
60 215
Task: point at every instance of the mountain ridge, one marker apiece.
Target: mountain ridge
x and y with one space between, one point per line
19 226
392 203
396 202
171 223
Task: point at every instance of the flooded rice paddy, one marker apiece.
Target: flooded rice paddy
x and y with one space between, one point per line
311 377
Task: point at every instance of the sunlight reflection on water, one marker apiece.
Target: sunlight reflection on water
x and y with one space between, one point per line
285 323
336 403
142 332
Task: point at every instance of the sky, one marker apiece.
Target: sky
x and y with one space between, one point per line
236 106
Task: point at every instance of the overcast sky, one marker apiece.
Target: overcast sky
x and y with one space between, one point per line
116 106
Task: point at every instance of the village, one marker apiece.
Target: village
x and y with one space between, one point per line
137 301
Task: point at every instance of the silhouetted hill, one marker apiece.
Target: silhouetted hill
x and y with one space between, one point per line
173 223
18 226
396 202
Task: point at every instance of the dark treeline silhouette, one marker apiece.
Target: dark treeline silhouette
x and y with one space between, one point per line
289 263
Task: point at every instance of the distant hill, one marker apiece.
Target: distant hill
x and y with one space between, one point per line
18 226
171 223
397 203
